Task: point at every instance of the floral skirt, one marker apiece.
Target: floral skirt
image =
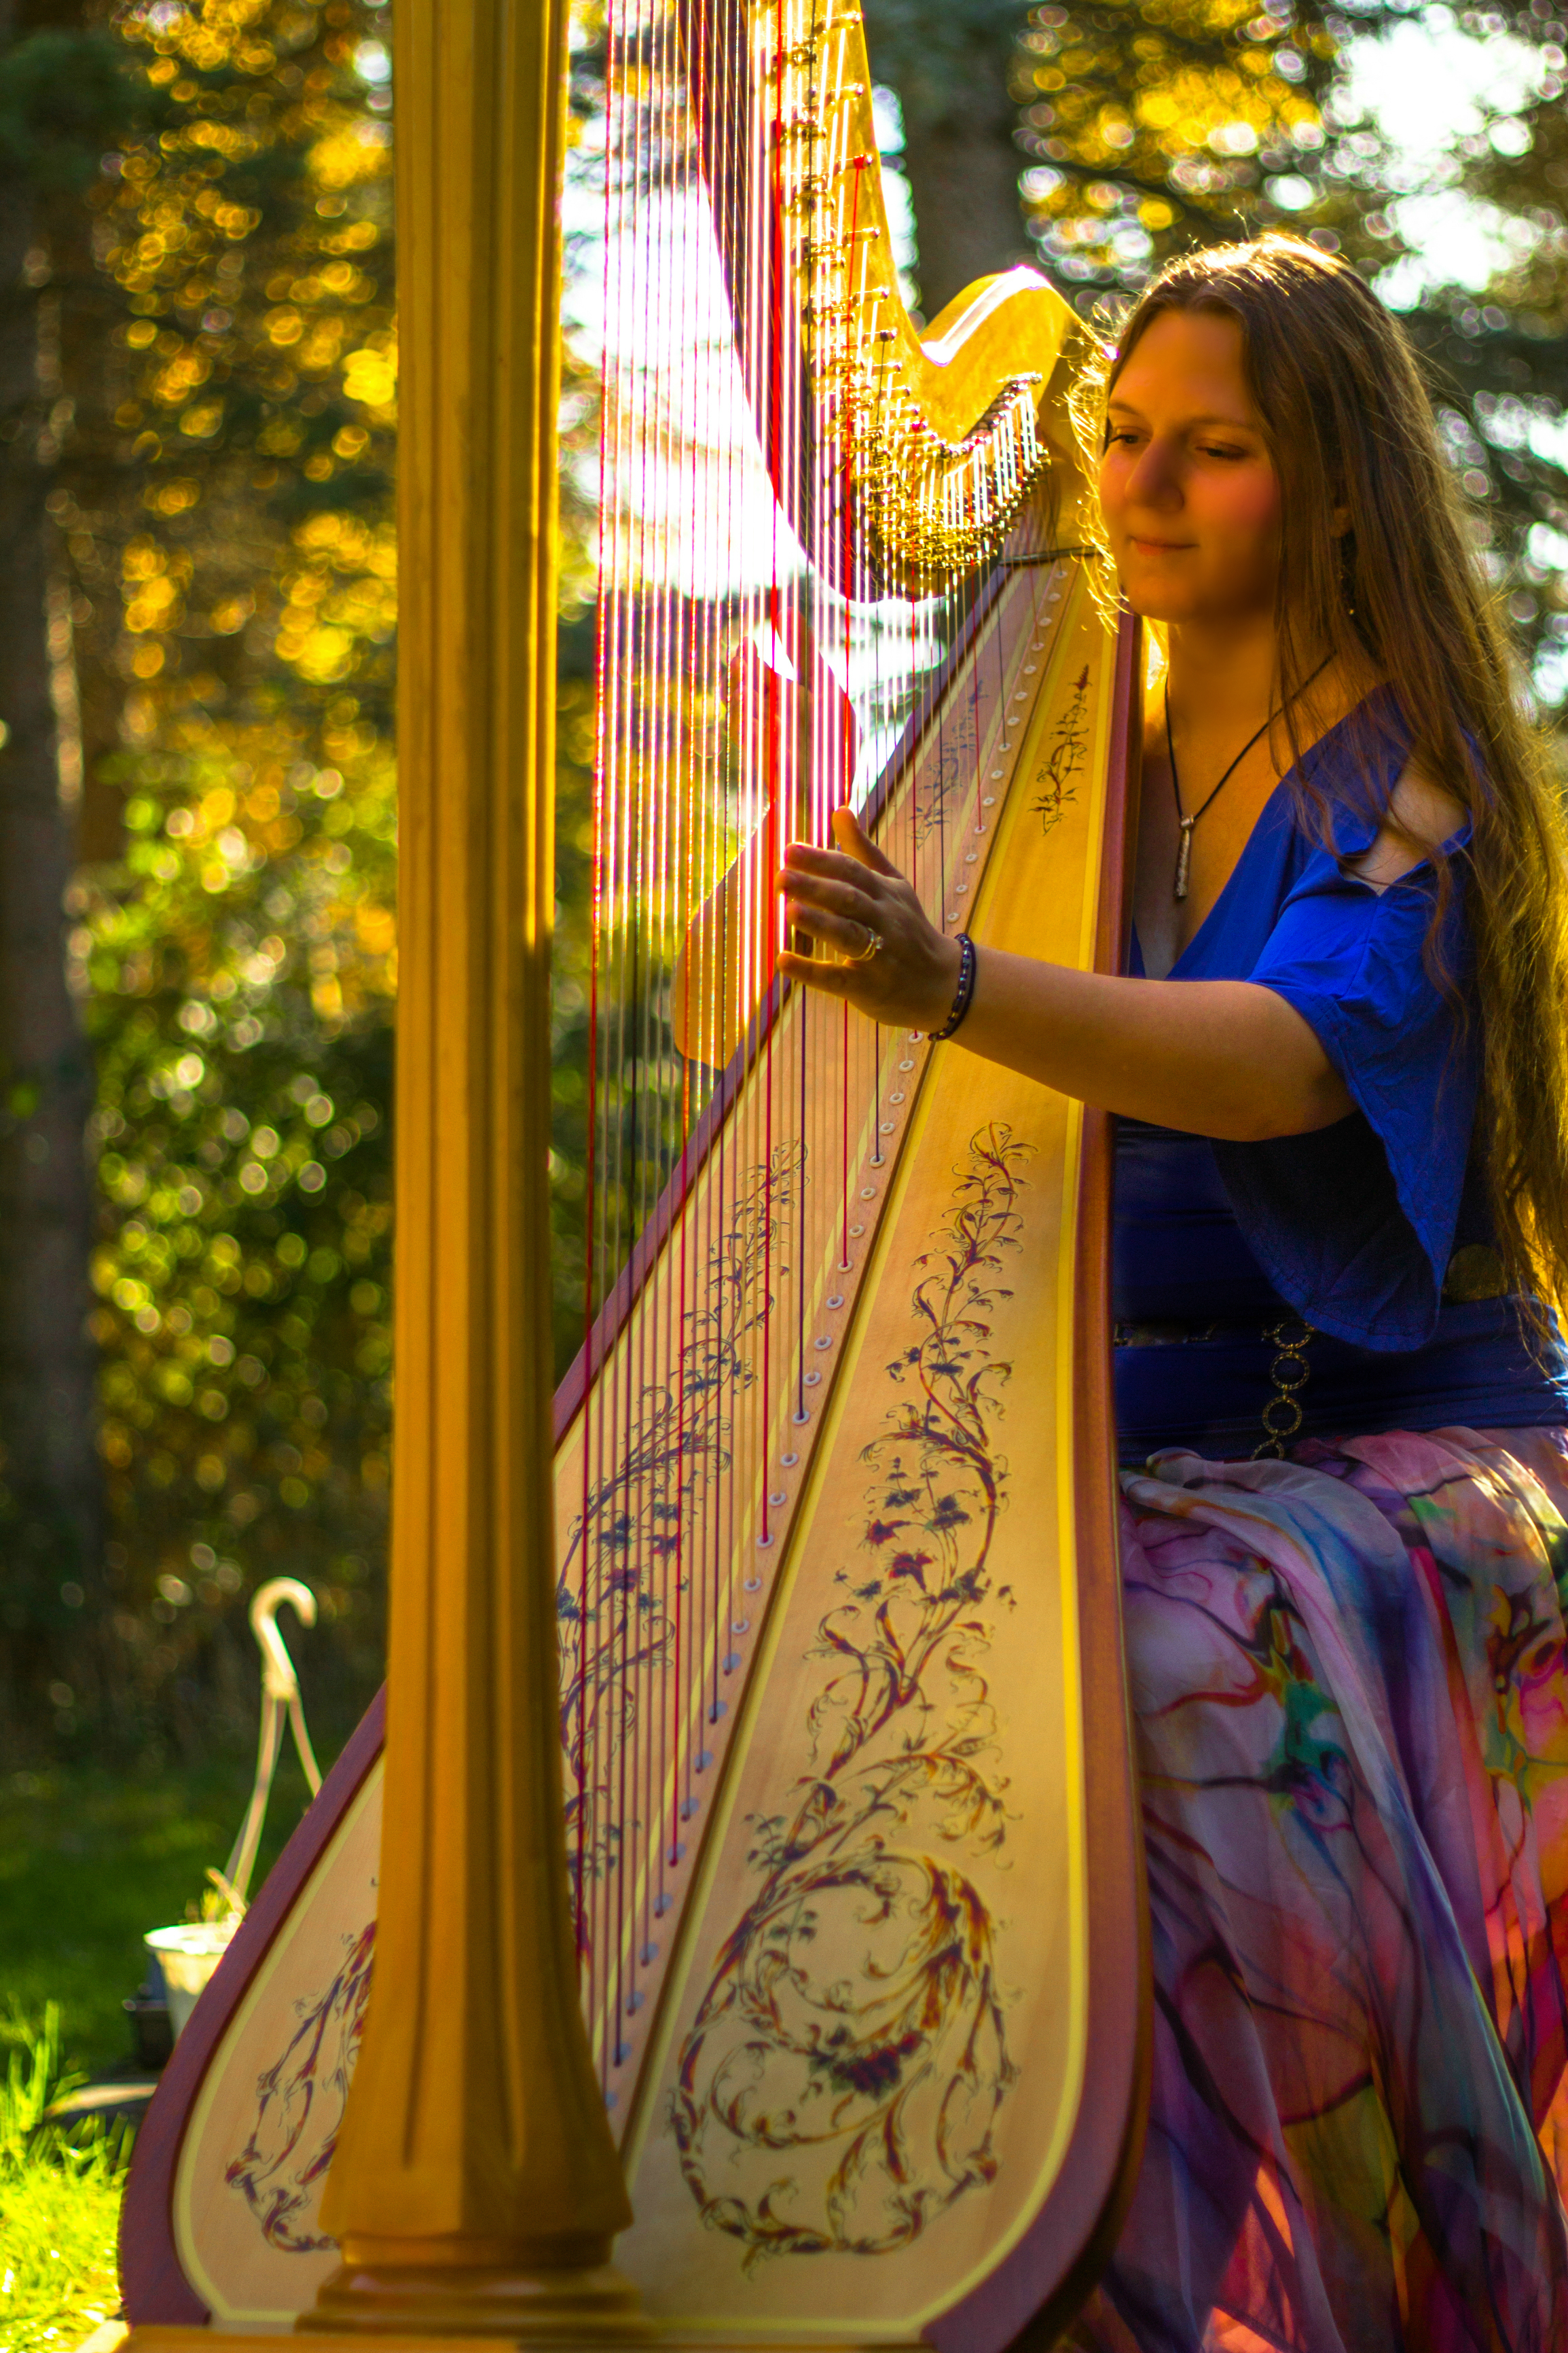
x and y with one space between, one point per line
1351 1684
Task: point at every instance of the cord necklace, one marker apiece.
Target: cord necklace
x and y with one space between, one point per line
1184 854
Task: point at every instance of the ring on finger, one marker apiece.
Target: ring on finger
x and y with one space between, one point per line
874 943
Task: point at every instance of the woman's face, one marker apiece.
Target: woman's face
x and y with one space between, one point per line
1188 489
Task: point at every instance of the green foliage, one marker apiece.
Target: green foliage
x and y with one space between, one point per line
1154 125
64 96
60 2206
1146 126
1167 121
1497 355
251 384
238 968
226 506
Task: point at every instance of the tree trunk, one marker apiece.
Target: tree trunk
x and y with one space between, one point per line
948 62
53 1604
963 166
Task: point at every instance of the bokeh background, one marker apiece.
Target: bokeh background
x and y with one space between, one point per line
198 961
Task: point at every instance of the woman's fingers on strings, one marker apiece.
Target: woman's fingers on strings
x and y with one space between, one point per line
848 933
855 855
853 838
824 865
836 897
852 901
832 980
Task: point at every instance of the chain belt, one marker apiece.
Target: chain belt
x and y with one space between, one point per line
1475 1273
1289 1373
1289 1337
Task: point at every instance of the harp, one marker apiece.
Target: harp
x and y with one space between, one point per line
745 1868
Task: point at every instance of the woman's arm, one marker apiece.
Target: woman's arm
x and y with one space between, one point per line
1217 1057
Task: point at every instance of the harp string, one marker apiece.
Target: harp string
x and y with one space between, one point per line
750 675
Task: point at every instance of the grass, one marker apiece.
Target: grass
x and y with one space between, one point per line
60 2206
90 1861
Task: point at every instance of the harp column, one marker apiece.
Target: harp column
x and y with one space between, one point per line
475 2187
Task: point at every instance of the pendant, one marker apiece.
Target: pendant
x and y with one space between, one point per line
1184 856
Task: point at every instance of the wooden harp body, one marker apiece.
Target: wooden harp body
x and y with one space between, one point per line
851 1819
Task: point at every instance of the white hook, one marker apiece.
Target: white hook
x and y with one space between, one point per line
279 1698
278 1680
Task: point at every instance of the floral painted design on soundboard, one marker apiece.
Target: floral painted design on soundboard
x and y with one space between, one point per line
839 2086
1065 756
626 1546
280 2170
943 778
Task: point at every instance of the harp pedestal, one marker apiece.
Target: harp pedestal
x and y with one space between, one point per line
580 2304
168 2339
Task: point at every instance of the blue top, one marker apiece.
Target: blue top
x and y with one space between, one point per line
1353 1228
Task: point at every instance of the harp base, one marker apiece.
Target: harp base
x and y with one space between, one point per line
155 2337
372 2294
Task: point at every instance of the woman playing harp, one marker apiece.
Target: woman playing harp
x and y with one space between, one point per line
1342 1077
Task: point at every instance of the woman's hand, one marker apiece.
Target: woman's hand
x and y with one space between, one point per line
1223 1058
846 897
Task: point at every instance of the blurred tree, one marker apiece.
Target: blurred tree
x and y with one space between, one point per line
224 507
1278 131
241 955
231 523
63 94
951 63
1160 125
1138 127
1497 354
240 962
1095 139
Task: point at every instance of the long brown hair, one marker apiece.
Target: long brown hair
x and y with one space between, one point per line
1376 565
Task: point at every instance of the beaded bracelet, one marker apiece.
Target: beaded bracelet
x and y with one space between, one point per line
963 992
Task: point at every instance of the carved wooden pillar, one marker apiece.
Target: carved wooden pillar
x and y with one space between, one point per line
476 2185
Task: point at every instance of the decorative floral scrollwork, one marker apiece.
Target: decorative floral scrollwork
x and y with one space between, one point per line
299 2109
839 2086
621 1568
1065 757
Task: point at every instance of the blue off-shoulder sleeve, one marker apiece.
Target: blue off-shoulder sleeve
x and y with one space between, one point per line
1354 1223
